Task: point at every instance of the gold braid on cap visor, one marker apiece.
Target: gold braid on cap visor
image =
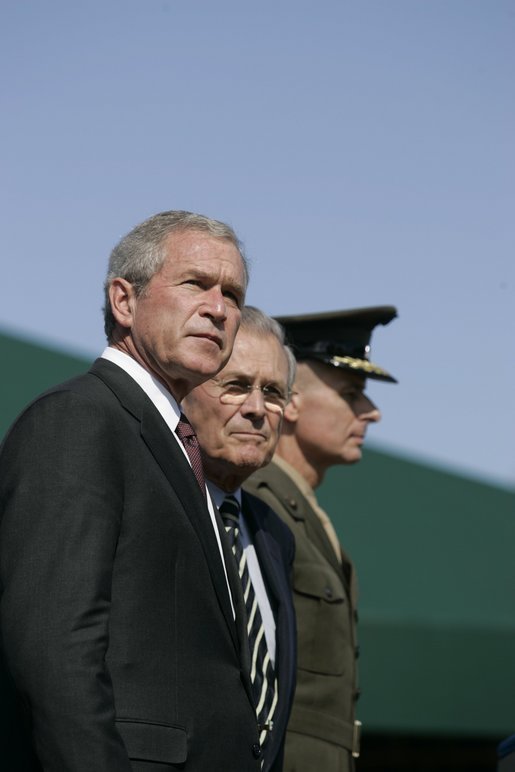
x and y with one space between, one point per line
359 364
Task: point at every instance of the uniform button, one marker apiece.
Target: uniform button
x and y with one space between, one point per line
292 503
256 751
328 592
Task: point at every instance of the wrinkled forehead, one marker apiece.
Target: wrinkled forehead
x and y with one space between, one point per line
257 358
189 243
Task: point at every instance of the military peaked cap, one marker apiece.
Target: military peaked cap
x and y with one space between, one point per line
339 338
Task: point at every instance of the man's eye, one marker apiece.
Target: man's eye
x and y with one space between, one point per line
275 395
235 387
272 391
232 297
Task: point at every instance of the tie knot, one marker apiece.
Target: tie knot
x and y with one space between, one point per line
184 429
230 511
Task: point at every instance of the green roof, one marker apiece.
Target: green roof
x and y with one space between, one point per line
434 554
28 369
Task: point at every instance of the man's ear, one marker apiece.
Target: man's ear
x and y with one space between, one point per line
122 297
291 411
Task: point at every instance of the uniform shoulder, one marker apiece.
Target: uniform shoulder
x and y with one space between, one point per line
269 476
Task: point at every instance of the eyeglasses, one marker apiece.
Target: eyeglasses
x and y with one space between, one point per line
234 392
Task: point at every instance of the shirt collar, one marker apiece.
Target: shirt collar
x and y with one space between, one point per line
154 389
218 495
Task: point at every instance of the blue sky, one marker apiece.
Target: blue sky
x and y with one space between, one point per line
363 151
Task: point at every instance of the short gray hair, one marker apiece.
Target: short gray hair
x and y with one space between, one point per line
255 320
140 254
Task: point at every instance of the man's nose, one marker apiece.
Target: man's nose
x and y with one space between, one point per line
213 304
254 403
370 412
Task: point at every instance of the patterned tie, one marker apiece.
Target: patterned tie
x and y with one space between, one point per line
187 436
264 681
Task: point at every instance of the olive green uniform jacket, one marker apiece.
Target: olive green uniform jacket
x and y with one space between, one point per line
321 728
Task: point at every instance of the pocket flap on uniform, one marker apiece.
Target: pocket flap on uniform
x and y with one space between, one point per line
318 581
146 741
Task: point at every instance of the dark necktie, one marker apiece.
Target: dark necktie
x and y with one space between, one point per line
264 681
187 436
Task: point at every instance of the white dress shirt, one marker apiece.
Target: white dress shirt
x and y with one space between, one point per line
170 412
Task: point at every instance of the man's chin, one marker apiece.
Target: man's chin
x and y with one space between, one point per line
201 369
252 461
353 457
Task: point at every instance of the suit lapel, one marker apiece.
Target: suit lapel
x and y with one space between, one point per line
180 476
158 438
274 573
300 509
267 550
239 605
319 537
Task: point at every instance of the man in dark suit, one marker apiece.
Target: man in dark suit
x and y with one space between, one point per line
122 619
237 417
324 424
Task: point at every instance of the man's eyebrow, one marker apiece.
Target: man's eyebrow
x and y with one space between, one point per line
251 378
194 270
202 273
236 374
236 286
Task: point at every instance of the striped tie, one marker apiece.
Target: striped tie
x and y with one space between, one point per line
264 681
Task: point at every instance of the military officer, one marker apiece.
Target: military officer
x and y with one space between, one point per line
324 424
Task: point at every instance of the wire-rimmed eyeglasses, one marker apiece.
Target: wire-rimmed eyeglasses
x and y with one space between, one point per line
235 392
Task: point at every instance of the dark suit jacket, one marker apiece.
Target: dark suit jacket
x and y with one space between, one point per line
275 549
116 623
320 731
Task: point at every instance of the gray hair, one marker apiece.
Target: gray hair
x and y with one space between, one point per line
140 254
254 320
